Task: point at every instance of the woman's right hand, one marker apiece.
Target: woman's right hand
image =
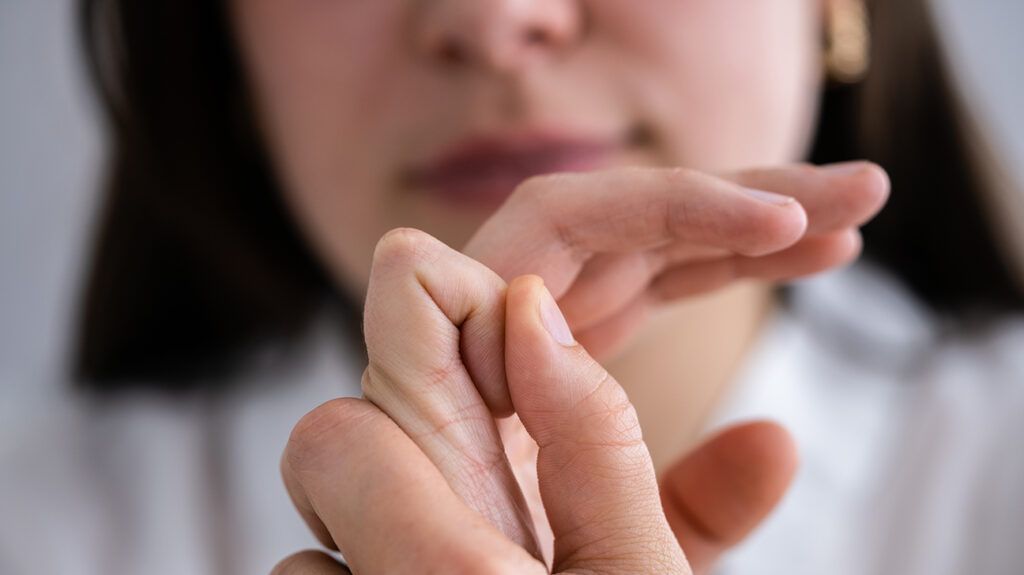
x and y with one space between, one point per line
613 245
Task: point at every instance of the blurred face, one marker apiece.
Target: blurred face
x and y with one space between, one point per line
388 113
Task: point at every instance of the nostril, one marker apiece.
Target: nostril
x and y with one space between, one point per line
451 52
536 36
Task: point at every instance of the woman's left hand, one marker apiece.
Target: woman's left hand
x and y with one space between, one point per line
612 245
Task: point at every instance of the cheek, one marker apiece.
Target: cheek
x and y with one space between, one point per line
322 74
729 83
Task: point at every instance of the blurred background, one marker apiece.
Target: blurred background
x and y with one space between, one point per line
51 154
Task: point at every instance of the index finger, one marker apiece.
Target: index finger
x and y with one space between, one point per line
553 224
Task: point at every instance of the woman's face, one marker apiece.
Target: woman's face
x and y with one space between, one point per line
427 113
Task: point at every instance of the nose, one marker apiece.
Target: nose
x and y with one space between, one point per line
499 35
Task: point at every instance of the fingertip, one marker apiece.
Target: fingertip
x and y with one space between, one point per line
762 444
795 226
775 229
873 185
879 185
547 369
864 190
855 244
718 493
764 449
838 250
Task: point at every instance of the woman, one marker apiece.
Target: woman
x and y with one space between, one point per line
262 149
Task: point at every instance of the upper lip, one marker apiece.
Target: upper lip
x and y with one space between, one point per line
524 153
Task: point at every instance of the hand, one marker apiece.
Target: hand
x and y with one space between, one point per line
366 485
435 340
414 476
613 245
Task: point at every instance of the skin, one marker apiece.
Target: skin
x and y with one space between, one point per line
350 94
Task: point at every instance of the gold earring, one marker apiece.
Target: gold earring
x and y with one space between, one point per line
848 41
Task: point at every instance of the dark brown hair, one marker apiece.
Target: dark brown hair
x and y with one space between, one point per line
196 259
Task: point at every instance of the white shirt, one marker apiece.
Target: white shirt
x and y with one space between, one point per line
912 446
911 437
155 486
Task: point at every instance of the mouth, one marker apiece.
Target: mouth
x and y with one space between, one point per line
483 171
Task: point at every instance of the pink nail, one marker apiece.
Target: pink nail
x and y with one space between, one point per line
554 321
769 197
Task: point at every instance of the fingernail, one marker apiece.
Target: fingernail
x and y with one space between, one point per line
843 168
554 321
769 197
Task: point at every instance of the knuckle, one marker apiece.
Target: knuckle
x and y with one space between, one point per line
384 379
542 196
618 423
443 372
680 176
318 429
542 199
404 247
614 422
537 188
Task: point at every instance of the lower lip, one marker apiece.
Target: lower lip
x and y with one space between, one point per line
487 191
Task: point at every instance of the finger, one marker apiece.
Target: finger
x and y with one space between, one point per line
596 476
434 324
610 279
603 311
607 281
835 196
607 338
812 255
569 217
553 224
716 495
310 563
434 305
382 500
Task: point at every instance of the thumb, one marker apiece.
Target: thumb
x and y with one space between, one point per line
594 471
718 493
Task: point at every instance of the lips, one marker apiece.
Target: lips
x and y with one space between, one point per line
484 171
